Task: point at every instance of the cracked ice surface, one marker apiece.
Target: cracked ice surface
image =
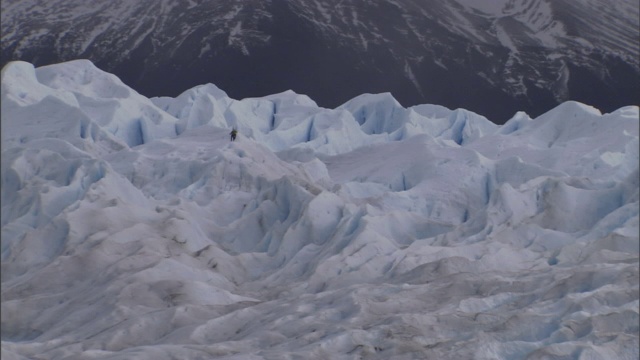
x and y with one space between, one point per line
132 228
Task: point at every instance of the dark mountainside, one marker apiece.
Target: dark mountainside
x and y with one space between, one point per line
530 55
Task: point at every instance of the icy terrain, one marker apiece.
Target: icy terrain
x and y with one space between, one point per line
132 228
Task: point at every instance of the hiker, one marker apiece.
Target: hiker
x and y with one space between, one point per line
233 134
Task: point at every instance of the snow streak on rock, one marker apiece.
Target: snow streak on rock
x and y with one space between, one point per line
134 228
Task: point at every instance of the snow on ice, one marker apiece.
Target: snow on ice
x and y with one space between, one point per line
132 228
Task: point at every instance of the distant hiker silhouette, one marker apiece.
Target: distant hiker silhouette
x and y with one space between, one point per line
233 134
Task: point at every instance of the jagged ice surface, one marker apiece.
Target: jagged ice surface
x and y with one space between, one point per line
132 228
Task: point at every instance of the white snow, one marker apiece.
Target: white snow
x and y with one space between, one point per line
132 228
505 39
235 38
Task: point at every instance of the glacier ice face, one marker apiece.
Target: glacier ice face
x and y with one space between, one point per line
134 226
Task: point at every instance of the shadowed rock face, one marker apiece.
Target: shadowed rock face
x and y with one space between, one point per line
517 55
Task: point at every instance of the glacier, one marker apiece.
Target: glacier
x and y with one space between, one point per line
132 228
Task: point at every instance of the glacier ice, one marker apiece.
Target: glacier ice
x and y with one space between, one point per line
133 227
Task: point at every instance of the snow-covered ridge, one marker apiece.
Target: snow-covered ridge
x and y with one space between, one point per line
134 227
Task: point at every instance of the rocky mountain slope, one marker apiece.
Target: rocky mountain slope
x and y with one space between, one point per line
522 54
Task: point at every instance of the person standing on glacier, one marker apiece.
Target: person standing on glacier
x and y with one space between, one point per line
233 134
